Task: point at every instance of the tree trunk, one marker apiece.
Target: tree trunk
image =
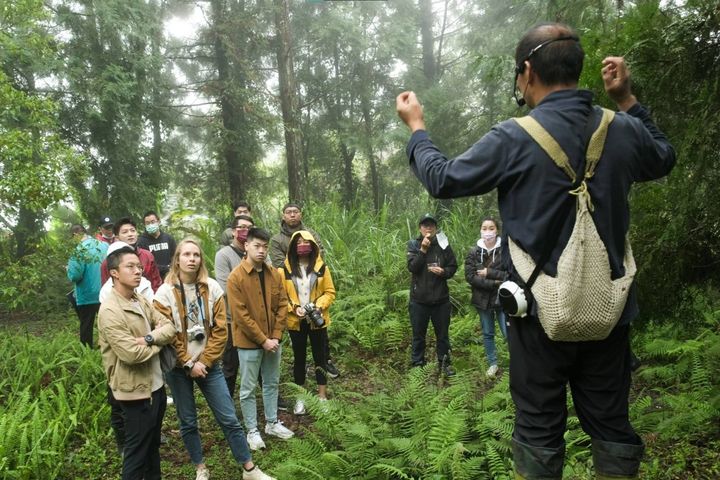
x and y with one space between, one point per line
29 230
348 156
426 35
374 177
289 101
233 115
430 66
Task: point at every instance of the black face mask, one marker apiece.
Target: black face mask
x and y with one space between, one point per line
520 67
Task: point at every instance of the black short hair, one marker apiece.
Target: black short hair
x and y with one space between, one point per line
151 212
292 204
121 222
237 218
114 259
242 203
259 233
77 228
554 51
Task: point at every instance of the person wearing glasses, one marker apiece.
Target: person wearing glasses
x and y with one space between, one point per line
226 259
131 335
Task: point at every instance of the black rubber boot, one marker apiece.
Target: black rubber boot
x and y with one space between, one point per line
537 463
616 460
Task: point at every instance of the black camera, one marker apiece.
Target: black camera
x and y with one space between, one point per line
313 315
196 333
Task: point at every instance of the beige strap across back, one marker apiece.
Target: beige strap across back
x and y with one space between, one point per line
582 302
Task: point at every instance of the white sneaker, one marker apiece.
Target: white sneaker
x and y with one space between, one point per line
170 400
277 429
254 440
256 474
299 408
202 474
323 404
492 371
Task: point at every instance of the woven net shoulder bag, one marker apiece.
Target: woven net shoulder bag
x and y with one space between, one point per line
582 302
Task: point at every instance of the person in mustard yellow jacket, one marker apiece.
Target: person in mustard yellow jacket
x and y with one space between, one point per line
310 291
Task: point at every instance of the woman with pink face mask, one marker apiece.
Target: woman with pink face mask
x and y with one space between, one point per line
310 291
484 272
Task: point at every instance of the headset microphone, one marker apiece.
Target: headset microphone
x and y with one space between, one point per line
520 67
518 70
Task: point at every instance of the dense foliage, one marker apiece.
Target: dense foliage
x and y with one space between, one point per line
384 421
120 106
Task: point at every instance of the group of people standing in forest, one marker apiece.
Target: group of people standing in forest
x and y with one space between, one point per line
183 328
567 153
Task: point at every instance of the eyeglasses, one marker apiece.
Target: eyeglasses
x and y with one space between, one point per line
133 266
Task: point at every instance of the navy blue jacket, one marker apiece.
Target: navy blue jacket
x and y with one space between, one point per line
532 189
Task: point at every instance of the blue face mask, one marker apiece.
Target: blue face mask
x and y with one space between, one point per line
152 228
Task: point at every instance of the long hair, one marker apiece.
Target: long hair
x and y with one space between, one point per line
293 258
173 276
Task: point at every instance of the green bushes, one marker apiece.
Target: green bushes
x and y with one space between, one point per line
52 400
384 421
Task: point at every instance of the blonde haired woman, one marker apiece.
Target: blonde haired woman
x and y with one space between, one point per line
195 303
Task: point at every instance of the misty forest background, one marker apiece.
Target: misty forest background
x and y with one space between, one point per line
114 107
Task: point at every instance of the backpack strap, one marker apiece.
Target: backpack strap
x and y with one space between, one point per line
547 143
594 151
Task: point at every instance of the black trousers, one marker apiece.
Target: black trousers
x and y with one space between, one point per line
317 345
230 361
143 421
87 314
420 315
598 373
117 420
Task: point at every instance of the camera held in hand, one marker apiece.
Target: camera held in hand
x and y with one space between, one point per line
313 315
196 333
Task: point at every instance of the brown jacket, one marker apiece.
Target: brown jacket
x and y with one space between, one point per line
168 301
128 366
254 318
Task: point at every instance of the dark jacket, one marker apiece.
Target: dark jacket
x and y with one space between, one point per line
532 190
162 248
426 287
484 289
279 243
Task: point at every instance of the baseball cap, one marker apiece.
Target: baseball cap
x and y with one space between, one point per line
105 222
115 246
427 218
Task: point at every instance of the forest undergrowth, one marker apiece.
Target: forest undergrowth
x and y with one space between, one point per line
384 420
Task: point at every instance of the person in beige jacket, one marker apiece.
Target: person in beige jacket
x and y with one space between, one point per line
258 308
132 334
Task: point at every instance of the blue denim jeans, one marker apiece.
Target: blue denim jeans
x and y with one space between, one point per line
487 318
214 389
253 362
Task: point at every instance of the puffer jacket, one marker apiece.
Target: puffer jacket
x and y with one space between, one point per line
128 366
168 301
322 290
426 287
485 289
